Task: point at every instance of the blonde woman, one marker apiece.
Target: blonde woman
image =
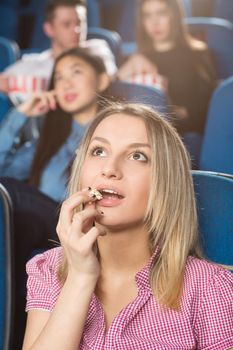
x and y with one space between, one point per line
128 273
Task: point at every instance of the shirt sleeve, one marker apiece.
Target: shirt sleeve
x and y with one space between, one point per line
9 129
214 325
43 286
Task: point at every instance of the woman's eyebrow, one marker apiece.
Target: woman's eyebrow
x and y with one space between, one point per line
101 139
139 144
74 65
132 145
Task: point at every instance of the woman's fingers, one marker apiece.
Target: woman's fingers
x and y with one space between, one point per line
51 96
39 103
67 210
76 227
84 218
90 238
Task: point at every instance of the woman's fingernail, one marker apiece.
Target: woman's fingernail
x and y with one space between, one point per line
86 189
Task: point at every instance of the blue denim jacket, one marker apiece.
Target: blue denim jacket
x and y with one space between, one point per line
16 160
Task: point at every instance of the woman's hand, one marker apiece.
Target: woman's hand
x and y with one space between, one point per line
181 113
136 64
78 235
39 104
4 83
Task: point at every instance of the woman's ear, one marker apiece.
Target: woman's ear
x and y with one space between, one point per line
103 82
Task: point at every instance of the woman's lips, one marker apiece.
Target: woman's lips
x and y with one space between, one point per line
110 201
70 97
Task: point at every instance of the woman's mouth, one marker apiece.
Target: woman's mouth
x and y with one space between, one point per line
110 198
70 97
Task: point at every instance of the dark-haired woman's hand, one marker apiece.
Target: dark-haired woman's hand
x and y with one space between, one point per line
78 235
38 104
4 83
181 113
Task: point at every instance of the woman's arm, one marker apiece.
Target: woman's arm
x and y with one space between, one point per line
9 129
63 328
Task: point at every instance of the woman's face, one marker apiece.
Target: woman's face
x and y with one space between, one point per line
118 164
76 84
156 20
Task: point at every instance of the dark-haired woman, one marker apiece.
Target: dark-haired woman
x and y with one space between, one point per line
42 157
166 48
39 151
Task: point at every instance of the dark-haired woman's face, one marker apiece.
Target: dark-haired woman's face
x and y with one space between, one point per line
156 20
76 84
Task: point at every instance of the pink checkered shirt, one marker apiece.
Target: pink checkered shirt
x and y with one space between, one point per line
205 319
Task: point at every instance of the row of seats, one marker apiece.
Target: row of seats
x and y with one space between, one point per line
214 194
218 34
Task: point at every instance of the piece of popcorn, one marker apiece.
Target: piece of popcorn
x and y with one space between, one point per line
95 194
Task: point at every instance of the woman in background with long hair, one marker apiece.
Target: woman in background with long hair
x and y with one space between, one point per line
166 48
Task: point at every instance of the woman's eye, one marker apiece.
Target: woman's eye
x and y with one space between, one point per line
139 156
57 79
98 152
77 71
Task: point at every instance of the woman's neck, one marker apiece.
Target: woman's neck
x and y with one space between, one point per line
164 46
124 252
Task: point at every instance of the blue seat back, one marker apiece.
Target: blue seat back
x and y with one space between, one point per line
131 92
9 52
217 145
218 34
112 38
93 13
223 9
214 195
8 21
6 270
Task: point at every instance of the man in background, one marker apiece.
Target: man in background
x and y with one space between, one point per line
66 26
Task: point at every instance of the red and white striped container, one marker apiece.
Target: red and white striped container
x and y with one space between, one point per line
21 87
154 80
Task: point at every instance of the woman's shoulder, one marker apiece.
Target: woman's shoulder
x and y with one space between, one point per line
43 285
204 275
209 295
198 45
48 261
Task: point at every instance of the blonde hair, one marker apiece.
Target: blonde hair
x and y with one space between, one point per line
171 215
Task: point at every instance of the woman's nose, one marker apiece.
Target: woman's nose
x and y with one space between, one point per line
67 82
112 170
